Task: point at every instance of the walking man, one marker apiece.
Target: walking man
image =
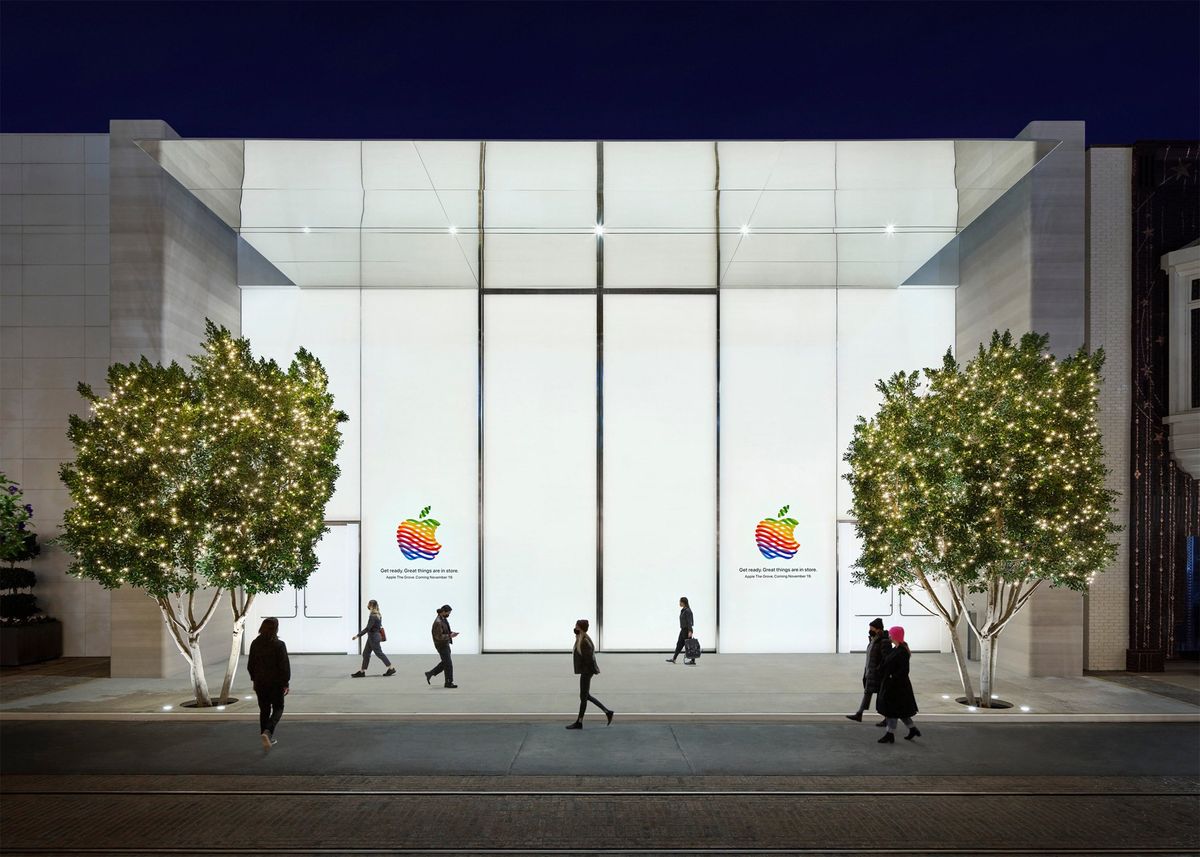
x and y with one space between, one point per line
685 628
878 645
442 638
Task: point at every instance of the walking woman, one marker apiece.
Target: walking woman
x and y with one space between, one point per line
375 635
270 671
686 624
584 656
896 700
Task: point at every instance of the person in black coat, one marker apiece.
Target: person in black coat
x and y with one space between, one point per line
443 637
878 645
374 634
271 672
584 657
896 700
686 626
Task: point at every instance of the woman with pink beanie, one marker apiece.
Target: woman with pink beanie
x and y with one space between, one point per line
896 700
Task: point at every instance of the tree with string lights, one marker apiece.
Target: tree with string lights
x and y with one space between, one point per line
987 481
194 485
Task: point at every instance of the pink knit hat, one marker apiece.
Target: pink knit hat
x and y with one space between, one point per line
897 634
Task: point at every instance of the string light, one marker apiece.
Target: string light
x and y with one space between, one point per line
212 477
985 478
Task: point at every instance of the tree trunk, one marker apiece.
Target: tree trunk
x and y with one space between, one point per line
987 669
199 682
186 636
235 648
953 617
960 660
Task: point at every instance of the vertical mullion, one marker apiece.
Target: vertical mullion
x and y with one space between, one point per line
717 298
479 403
599 394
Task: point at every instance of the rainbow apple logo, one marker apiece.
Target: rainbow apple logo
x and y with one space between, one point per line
417 537
775 536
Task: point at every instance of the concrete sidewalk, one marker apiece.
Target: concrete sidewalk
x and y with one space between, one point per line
639 686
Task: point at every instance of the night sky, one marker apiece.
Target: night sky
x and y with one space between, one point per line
499 70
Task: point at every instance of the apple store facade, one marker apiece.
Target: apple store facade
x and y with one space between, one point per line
587 378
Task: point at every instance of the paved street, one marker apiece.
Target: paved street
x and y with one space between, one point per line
467 788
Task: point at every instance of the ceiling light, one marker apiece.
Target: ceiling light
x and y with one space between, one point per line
746 229
599 229
1024 707
890 229
247 697
306 230
970 708
220 708
453 230
168 707
945 696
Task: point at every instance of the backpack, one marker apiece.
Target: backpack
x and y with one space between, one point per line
691 648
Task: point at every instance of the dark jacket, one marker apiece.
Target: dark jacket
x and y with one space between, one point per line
896 697
877 650
374 624
268 663
584 657
685 619
441 632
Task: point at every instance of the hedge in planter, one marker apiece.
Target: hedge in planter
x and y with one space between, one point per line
27 635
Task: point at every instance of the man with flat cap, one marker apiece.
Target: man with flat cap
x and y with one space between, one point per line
878 645
442 638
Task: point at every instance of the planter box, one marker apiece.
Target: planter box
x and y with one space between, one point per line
30 644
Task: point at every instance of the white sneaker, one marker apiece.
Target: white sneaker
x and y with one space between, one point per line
267 740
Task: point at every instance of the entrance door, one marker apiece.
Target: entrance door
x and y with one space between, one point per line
859 604
320 618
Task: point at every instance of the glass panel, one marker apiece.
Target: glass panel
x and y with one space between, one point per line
539 469
300 164
1196 357
541 166
881 332
659 467
280 320
875 164
419 259
778 448
642 166
665 261
754 165
876 259
774 259
420 447
540 260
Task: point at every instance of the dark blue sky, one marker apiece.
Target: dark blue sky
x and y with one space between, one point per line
604 70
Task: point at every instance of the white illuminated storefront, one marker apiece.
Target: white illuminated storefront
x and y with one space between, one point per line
600 366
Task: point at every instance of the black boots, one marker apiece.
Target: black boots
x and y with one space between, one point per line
578 724
856 717
913 732
888 738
